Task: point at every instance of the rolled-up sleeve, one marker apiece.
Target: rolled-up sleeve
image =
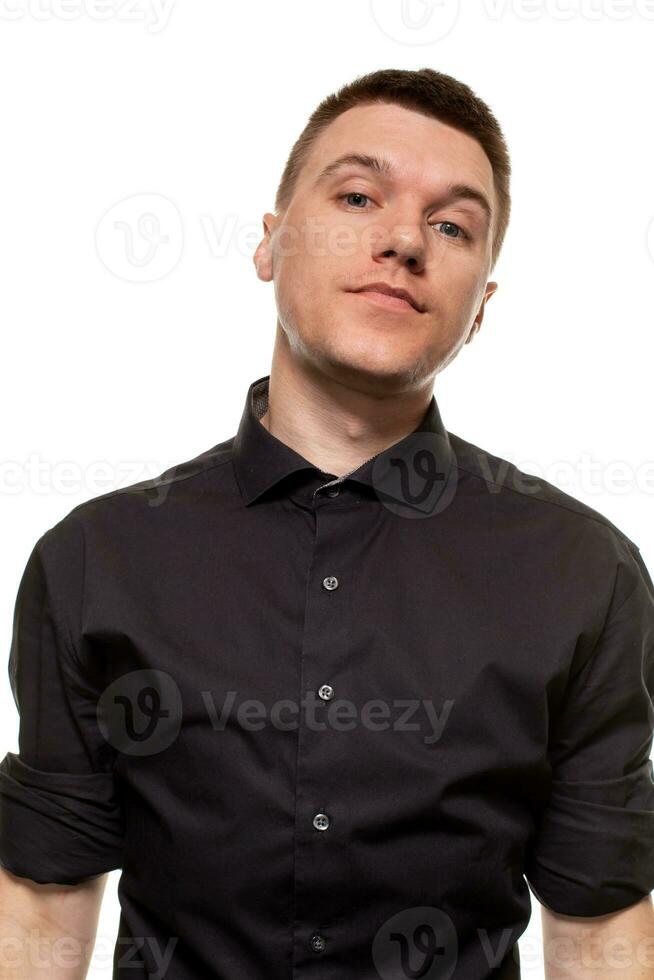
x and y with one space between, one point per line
61 819
593 850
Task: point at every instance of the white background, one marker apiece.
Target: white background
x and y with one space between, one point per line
136 357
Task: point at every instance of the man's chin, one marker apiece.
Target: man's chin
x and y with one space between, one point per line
366 368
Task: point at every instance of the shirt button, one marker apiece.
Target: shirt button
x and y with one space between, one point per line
331 582
326 692
334 492
321 821
317 943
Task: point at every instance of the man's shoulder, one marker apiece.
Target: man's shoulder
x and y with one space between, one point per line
532 495
166 487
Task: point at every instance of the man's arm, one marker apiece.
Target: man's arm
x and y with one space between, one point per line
47 930
615 946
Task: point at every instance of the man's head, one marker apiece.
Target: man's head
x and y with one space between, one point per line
424 208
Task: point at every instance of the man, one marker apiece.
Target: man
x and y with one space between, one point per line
329 691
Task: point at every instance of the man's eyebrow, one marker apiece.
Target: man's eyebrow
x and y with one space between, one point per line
385 168
378 164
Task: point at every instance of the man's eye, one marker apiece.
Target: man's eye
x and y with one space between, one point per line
447 224
354 194
451 224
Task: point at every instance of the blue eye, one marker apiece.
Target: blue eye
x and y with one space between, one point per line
354 194
452 225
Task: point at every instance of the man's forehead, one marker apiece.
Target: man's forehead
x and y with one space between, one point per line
436 146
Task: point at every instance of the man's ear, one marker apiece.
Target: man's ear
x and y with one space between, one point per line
491 287
262 258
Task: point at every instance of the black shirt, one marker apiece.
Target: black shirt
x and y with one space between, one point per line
334 728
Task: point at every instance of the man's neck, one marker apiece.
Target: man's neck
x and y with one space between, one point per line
332 424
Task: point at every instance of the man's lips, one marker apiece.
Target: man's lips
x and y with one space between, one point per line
390 291
394 303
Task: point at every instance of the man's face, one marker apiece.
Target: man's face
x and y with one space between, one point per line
356 227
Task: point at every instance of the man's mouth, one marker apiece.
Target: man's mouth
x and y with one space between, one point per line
395 303
390 297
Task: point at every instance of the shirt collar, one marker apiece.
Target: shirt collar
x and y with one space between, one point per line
261 460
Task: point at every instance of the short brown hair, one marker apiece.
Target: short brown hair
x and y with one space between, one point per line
424 90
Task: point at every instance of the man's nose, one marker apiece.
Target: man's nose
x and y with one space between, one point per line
404 242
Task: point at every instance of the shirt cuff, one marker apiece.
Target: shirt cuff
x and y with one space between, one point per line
595 845
58 827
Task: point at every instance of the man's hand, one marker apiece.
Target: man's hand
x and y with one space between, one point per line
616 946
47 931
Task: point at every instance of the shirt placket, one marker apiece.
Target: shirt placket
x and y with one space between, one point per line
320 871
